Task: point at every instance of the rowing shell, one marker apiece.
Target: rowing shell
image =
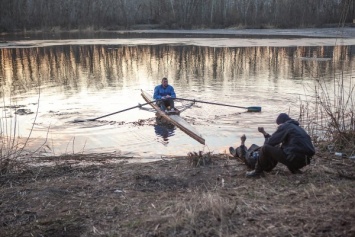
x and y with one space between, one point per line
175 120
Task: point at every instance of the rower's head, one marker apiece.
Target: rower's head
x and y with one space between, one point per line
164 82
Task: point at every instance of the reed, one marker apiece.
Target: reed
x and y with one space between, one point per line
329 115
9 142
12 145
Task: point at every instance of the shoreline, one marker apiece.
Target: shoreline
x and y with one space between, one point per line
324 32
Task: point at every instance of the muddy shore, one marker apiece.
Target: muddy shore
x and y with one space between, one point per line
174 197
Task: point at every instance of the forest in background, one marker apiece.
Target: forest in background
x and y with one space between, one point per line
27 15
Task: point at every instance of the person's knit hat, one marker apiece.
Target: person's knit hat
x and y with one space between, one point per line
283 117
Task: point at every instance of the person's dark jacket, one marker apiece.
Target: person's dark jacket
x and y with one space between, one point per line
294 139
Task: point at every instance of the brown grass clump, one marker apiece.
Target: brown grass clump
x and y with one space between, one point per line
199 159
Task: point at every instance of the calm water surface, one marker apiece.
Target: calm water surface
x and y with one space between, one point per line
60 81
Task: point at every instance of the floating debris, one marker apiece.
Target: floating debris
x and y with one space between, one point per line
23 111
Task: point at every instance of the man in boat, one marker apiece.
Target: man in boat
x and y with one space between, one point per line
289 145
165 94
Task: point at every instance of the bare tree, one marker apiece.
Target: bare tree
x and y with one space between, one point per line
114 14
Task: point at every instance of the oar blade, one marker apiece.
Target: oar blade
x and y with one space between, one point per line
83 120
254 109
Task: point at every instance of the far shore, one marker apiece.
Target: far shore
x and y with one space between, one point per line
140 31
201 37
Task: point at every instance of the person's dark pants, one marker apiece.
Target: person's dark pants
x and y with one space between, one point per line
241 152
270 156
245 155
163 104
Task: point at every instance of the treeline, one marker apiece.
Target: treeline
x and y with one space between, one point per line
21 15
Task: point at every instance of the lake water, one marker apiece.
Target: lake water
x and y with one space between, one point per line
61 80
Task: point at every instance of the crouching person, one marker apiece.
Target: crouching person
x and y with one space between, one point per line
289 145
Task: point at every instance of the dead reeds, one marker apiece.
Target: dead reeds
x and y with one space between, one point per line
12 145
329 115
9 143
199 159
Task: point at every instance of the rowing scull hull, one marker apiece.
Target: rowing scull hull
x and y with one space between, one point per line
175 120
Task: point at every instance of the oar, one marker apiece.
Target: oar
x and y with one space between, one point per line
93 119
250 109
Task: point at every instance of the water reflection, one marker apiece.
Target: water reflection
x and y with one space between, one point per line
99 66
164 131
88 81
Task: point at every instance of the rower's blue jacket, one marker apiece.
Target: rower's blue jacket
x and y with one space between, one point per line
160 91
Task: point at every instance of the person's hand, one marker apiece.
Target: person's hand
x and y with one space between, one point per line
163 97
261 129
168 96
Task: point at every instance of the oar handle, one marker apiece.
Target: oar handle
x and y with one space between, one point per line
212 103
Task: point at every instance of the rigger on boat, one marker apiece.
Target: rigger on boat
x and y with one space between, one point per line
174 118
171 114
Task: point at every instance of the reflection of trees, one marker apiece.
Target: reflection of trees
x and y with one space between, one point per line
98 66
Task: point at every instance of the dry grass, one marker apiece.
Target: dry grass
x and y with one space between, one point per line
199 159
329 116
172 198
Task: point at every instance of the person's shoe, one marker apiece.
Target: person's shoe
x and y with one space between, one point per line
298 171
254 174
232 151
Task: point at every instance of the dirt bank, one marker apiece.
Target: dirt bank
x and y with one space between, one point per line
113 197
